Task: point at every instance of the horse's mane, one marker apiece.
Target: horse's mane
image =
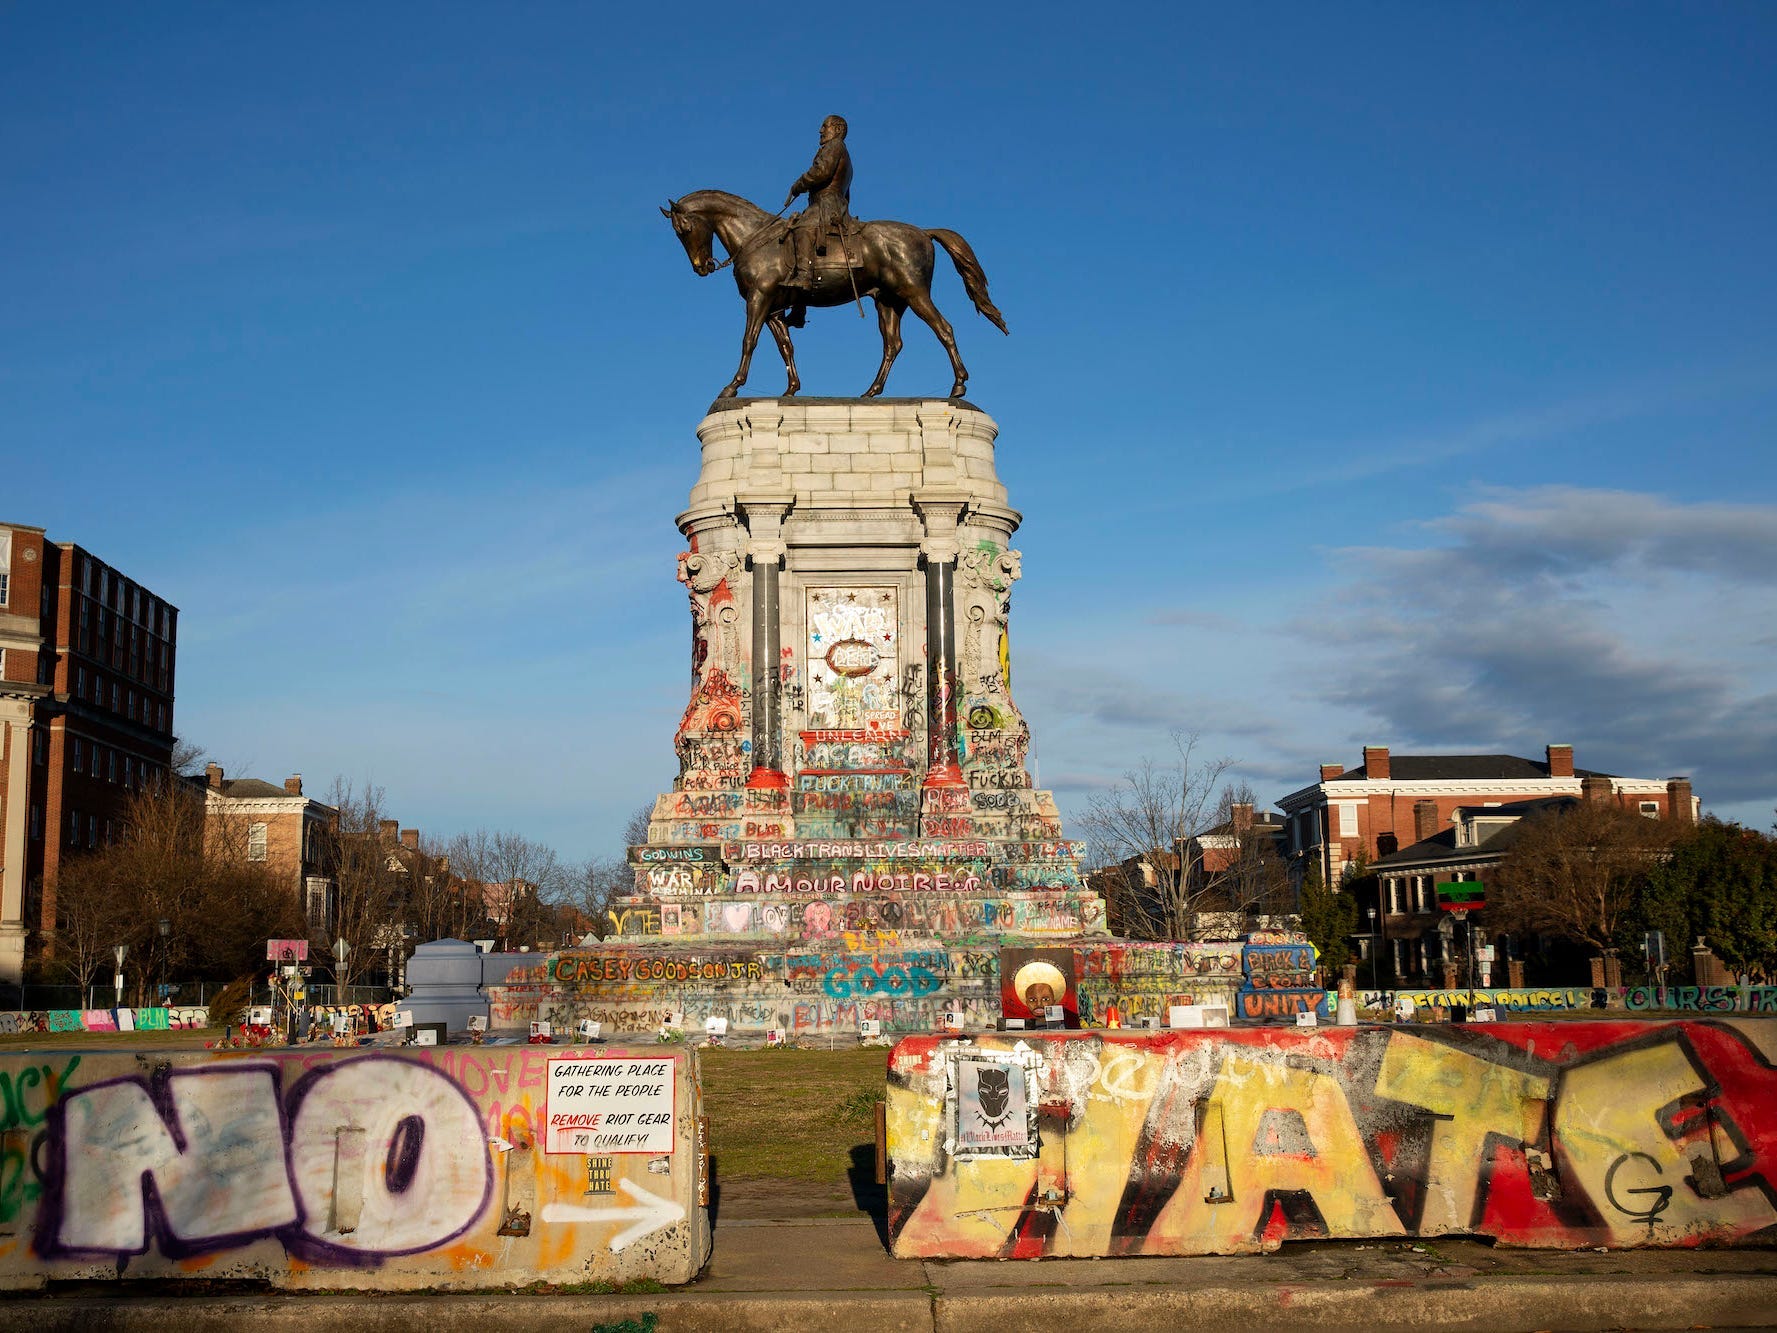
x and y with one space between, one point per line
698 199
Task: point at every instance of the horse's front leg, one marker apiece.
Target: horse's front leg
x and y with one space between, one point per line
888 320
780 330
756 307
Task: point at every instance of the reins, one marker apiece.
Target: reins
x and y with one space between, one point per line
759 235
751 241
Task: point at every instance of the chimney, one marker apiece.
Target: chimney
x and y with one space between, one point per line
1425 820
1330 771
410 839
1595 790
389 829
1680 806
1560 760
293 785
1376 762
213 776
1243 815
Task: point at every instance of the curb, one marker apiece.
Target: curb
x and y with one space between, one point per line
1515 1303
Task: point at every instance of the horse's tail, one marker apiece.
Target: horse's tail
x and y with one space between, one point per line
968 268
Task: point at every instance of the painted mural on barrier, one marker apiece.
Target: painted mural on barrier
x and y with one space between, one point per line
1557 1135
322 1168
104 1020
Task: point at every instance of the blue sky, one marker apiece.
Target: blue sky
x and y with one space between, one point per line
1389 373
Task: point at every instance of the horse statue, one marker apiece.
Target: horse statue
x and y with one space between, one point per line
890 262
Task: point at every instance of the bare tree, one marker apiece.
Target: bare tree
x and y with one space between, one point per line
188 758
1574 871
1140 832
521 885
1240 866
594 885
171 865
368 871
436 901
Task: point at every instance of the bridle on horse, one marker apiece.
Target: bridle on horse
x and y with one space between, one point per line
759 235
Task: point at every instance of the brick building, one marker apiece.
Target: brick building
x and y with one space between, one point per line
87 666
1400 909
279 827
1394 801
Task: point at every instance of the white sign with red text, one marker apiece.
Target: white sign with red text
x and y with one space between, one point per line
608 1104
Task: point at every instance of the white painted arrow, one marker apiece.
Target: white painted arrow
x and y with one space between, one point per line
654 1213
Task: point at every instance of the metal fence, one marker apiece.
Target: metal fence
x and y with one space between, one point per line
34 997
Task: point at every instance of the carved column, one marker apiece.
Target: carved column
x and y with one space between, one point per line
941 511
765 517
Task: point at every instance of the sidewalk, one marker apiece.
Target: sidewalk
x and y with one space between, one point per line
833 1274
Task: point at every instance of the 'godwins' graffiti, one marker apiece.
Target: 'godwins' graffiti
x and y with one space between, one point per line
1571 1134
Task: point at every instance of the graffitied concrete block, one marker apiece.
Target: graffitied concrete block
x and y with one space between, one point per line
342 1169
1554 1135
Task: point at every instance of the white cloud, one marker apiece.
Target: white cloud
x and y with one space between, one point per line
1626 624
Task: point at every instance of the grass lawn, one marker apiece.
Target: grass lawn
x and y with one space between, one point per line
791 1115
191 1039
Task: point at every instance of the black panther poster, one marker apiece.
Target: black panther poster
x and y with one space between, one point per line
993 1109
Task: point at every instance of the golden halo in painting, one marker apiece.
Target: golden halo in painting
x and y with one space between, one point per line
1039 973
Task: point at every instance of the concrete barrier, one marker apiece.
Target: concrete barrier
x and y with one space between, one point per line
453 1167
1625 1133
157 1019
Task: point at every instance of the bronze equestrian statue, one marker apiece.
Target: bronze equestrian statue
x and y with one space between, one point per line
840 260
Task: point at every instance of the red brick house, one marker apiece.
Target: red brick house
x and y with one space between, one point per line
1394 801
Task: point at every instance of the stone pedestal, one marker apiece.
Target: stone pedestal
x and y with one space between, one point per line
853 806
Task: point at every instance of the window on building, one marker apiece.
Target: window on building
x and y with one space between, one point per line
116 697
36 823
256 842
129 770
318 896
1422 893
80 682
1402 959
1397 898
111 765
1651 809
79 755
73 828
1348 819
92 831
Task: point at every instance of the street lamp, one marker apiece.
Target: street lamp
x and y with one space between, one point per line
1446 933
1370 932
117 979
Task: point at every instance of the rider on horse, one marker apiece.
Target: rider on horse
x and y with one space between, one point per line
827 182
